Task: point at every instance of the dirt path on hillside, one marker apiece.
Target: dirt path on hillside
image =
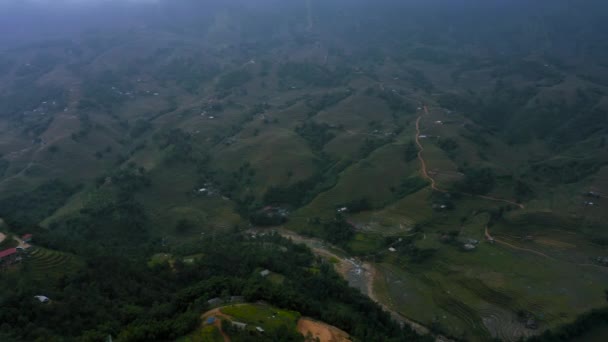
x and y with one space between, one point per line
426 175
21 243
321 331
417 327
423 167
360 275
491 238
36 150
504 243
217 323
490 198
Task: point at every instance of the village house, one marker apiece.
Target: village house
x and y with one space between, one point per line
602 261
27 238
215 301
42 299
468 247
9 256
239 325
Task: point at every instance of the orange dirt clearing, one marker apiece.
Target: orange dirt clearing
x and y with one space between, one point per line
219 315
324 332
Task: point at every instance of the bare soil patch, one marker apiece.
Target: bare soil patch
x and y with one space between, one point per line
324 332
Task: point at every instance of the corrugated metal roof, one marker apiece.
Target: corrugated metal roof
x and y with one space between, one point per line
8 252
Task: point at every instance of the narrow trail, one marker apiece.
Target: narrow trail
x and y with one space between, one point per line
425 173
489 237
344 265
36 150
490 198
21 243
504 243
424 170
217 323
600 194
351 132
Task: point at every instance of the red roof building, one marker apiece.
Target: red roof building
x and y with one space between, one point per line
7 253
27 237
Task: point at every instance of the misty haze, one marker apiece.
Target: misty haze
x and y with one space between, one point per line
303 170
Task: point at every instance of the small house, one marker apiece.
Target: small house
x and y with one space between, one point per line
468 247
210 320
602 261
265 273
239 325
42 299
392 249
259 329
27 238
215 301
9 256
531 323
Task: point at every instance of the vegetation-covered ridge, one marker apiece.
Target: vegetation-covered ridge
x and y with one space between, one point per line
448 158
112 295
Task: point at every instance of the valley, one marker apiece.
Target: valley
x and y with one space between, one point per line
451 176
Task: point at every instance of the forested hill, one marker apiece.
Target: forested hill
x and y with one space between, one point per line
134 301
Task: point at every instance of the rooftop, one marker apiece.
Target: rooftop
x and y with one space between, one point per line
8 252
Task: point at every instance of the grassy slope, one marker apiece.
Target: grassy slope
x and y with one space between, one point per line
515 279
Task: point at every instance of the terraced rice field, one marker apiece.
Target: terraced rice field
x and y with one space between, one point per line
45 263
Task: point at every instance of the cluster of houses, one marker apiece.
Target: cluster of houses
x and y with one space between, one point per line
14 255
207 190
240 325
591 195
470 244
603 261
217 301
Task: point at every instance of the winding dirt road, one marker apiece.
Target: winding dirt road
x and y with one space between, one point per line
423 167
425 173
345 266
491 238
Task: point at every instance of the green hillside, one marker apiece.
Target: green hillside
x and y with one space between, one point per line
466 163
